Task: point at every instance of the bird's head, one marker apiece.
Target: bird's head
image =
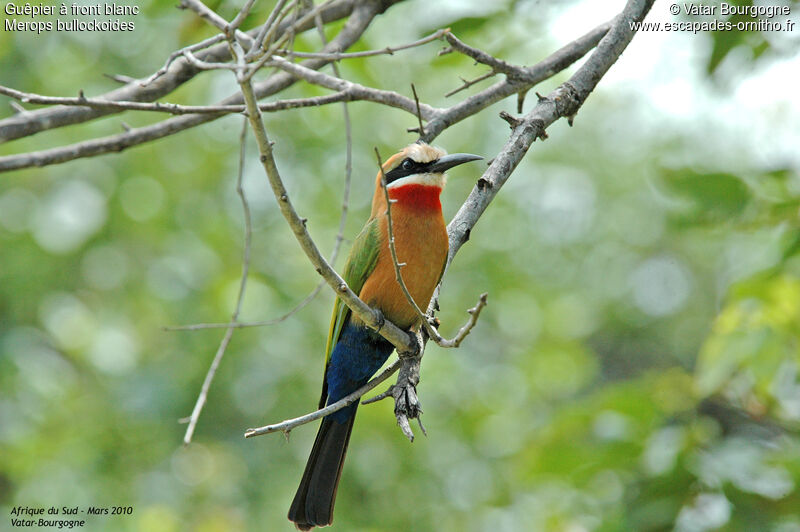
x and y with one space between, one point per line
416 175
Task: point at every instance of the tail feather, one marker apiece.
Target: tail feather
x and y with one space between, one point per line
313 503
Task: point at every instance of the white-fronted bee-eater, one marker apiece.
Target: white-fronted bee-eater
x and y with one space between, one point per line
415 179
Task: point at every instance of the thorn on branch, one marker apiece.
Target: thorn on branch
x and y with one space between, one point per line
512 120
521 100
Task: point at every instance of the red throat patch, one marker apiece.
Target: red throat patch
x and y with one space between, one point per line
415 196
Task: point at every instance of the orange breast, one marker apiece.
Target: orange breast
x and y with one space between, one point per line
421 243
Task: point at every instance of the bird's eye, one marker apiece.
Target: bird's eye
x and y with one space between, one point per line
408 164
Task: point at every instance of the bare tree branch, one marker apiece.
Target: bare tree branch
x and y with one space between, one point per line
268 28
356 24
358 91
497 65
248 237
465 84
289 424
177 54
389 50
172 108
556 62
214 19
438 120
178 73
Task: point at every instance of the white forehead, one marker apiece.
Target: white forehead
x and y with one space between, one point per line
423 153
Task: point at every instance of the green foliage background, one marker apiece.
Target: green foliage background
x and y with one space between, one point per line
636 368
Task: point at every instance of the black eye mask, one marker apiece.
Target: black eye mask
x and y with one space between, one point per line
406 168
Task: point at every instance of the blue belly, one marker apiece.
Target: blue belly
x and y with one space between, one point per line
359 353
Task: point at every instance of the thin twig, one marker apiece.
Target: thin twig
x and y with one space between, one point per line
248 232
304 20
289 424
389 50
205 65
469 83
179 53
172 108
215 20
419 113
358 91
380 397
120 78
268 28
497 65
239 18
288 37
348 162
17 107
465 329
245 324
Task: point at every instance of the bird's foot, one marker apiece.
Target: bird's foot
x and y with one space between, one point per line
406 402
415 351
380 320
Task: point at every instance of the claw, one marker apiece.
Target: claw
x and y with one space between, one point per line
380 319
416 346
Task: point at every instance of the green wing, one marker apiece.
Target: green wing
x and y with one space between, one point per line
360 263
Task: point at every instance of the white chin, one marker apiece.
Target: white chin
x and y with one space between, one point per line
431 180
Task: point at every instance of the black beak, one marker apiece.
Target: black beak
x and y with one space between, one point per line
449 161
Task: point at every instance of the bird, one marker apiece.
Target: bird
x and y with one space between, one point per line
354 352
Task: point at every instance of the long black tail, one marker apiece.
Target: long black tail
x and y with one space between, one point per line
313 503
